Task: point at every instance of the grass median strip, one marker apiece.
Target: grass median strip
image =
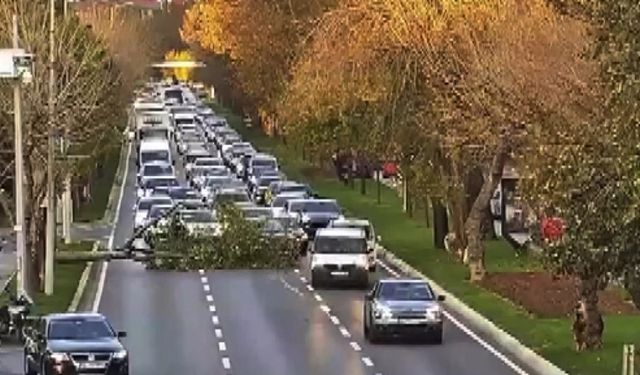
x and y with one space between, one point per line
67 276
409 239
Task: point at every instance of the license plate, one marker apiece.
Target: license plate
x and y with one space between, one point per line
339 273
93 365
410 321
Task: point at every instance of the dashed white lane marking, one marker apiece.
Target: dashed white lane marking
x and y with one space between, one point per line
344 332
317 297
201 272
325 308
367 361
469 332
222 346
215 320
218 332
334 320
209 298
212 308
226 363
206 287
204 279
296 270
304 279
310 288
355 346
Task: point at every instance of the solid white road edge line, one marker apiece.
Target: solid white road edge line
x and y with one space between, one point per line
469 332
116 217
226 363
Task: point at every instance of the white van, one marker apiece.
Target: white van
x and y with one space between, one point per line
370 233
339 255
154 150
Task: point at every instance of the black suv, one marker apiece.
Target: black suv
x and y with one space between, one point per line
71 343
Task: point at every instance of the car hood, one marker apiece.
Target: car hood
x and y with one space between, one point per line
95 345
409 305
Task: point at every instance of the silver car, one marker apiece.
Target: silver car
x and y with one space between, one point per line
403 307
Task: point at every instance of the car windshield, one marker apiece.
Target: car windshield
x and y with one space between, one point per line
256 212
184 121
192 216
398 291
158 182
320 206
213 171
174 95
157 133
79 329
232 197
273 226
208 162
149 156
287 222
265 181
264 163
182 193
280 201
294 188
156 211
146 204
340 245
217 181
157 170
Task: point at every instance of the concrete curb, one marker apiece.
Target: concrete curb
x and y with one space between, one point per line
117 182
507 343
73 306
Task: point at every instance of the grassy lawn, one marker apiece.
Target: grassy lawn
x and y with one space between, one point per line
100 190
67 278
413 242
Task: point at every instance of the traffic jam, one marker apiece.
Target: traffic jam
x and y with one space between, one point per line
190 160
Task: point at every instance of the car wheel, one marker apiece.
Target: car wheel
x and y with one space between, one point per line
373 335
27 367
436 338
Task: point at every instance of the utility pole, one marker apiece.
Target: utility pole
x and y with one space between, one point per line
51 194
21 279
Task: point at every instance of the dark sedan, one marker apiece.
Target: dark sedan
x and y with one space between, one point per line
70 344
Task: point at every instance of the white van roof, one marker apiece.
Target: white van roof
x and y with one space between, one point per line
341 233
154 144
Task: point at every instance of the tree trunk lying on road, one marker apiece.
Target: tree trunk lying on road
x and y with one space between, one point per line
92 256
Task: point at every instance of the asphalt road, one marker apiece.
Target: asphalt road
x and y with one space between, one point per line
260 322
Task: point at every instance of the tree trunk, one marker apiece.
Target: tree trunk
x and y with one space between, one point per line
457 219
440 223
593 326
473 225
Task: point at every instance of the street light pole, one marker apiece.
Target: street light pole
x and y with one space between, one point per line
51 194
21 269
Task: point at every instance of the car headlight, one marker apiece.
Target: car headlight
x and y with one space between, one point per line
436 314
381 311
59 357
120 354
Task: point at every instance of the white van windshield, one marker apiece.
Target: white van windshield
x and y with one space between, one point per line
158 155
340 245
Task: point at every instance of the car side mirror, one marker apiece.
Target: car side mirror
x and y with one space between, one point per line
122 334
441 298
369 296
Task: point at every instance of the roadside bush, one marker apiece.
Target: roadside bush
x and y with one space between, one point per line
242 245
